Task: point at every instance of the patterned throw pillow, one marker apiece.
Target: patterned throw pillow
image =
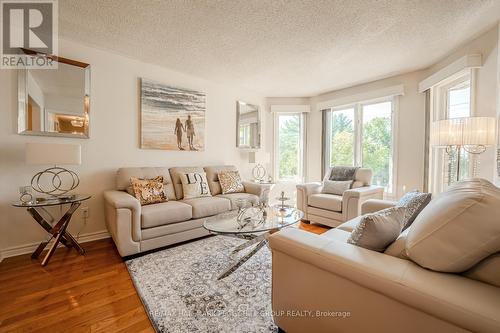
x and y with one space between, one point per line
230 182
195 185
414 202
149 191
378 230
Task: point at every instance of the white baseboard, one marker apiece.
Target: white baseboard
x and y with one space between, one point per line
29 248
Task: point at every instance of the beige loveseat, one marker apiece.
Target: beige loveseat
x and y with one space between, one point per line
137 228
332 210
321 283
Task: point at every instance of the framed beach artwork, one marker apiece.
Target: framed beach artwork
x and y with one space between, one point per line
171 118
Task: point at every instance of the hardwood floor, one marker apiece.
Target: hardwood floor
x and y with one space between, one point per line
73 293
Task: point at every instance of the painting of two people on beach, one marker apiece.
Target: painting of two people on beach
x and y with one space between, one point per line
172 118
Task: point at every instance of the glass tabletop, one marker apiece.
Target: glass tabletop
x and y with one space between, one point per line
44 202
251 221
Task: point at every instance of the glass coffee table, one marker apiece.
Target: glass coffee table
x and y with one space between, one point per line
253 225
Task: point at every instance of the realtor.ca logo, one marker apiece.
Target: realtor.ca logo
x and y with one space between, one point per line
29 34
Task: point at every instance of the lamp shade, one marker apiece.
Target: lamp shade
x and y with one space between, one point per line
259 157
53 154
468 131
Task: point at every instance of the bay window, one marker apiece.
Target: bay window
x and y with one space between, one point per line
362 134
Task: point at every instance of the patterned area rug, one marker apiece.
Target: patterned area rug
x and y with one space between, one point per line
180 291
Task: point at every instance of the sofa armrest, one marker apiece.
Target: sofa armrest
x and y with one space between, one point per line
374 205
440 294
305 190
123 218
353 199
255 188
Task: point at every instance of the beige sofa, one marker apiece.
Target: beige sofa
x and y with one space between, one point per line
137 228
332 210
323 284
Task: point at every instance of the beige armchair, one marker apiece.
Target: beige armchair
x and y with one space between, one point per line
332 210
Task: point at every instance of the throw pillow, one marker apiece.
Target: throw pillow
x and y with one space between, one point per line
337 187
414 202
378 230
195 185
230 182
149 191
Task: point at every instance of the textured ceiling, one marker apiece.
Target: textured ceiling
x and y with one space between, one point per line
279 47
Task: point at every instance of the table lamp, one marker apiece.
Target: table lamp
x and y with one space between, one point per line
472 134
54 181
259 158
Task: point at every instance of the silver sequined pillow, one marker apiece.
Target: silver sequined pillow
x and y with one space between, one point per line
414 202
378 230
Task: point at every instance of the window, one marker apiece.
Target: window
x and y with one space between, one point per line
362 135
289 146
450 99
457 106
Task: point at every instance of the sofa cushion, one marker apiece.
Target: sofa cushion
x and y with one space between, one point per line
350 225
176 173
325 201
124 174
213 178
457 229
363 177
208 206
378 230
488 270
337 234
397 248
251 198
165 213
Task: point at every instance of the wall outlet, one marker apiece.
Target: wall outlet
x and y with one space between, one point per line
85 212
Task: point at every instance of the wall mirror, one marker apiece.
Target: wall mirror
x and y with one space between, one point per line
247 125
55 102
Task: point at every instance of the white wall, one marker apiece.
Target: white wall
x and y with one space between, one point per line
114 136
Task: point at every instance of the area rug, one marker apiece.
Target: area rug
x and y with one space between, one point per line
179 288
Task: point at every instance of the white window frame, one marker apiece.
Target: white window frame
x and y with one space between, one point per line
302 143
439 111
391 189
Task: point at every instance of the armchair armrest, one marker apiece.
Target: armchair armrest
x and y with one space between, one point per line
123 218
353 199
440 294
305 190
374 205
310 188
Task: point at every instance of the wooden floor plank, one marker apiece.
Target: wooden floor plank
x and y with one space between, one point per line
73 293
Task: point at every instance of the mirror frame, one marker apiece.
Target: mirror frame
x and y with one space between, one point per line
259 130
22 89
